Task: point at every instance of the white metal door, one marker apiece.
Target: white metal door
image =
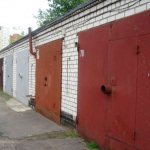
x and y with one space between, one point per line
22 76
9 74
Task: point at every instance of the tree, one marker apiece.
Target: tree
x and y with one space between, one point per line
15 37
56 9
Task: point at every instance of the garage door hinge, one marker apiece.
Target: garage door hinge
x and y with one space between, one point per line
137 49
134 135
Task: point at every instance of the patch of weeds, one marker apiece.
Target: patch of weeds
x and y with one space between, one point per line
71 134
50 135
92 146
53 135
5 95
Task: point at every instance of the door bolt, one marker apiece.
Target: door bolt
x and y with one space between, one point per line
134 135
138 50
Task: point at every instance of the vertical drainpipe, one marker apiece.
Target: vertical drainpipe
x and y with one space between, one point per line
30 43
31 102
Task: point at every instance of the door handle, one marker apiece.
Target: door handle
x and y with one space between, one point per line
45 81
106 89
20 75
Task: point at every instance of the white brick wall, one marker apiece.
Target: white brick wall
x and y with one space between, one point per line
32 68
14 74
4 74
68 29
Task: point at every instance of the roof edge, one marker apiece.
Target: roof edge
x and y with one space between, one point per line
71 13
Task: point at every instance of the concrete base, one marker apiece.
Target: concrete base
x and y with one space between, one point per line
23 129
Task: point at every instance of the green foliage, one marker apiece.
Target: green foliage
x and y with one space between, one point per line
56 9
71 134
92 146
15 37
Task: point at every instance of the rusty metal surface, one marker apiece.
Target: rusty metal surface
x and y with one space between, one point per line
114 84
1 73
48 80
122 60
118 145
143 94
131 26
92 74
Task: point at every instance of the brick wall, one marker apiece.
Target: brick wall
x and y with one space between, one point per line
97 15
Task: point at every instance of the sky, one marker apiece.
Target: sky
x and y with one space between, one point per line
20 13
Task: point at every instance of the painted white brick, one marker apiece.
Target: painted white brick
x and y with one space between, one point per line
111 18
119 16
148 6
143 1
96 23
109 8
107 14
103 21
100 5
107 2
117 5
113 6
98 18
123 2
140 8
93 8
129 12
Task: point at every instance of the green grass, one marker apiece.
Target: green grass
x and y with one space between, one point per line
71 134
92 146
5 95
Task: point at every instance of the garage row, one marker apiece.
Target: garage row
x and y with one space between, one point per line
112 67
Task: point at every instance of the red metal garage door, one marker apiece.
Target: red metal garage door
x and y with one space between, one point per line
143 97
122 60
120 120
92 74
48 80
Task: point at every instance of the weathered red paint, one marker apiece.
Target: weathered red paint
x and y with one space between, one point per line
131 26
117 59
48 80
92 74
121 106
118 145
143 94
